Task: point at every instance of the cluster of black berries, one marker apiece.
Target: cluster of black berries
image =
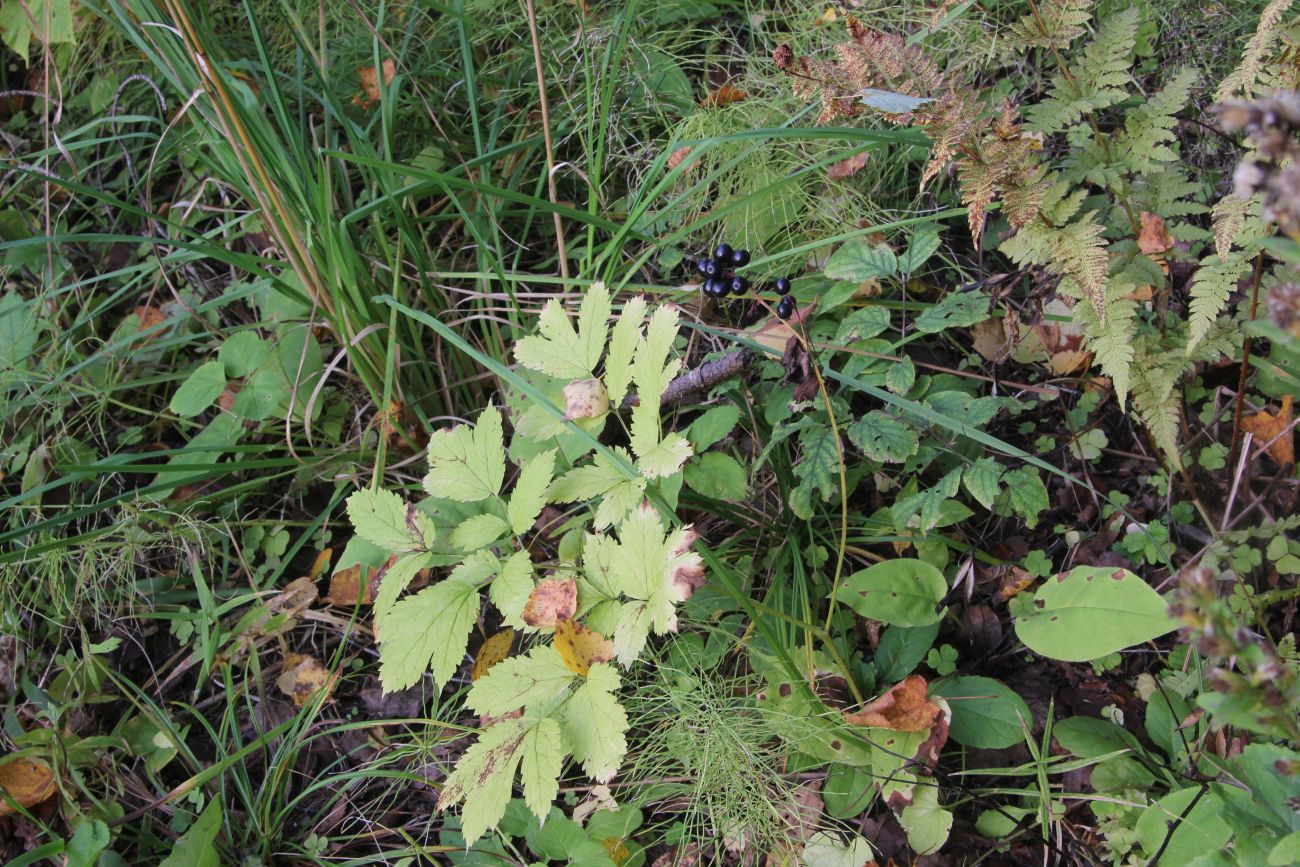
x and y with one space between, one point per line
721 280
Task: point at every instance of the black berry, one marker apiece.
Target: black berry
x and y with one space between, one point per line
715 288
722 253
740 258
785 306
712 267
703 266
782 285
739 285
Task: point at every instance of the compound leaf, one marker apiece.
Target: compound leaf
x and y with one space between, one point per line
467 464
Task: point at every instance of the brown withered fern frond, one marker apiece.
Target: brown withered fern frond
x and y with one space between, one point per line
994 158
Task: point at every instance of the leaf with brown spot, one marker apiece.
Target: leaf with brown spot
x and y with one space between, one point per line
1275 428
552 600
296 597
496 648
585 398
302 678
581 647
26 781
903 708
724 95
1153 237
776 333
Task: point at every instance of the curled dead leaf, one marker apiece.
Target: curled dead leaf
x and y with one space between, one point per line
1153 237
676 158
370 92
905 707
552 600
302 678
847 168
1274 429
347 587
776 333
25 781
724 95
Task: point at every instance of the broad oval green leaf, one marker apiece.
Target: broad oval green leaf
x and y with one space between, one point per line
986 713
860 261
1092 611
1195 831
899 592
199 390
718 476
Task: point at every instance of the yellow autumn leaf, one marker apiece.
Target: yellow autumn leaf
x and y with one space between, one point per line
496 648
581 647
26 782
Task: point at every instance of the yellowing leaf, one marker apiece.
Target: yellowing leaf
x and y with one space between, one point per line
552 600
581 647
26 781
496 648
302 678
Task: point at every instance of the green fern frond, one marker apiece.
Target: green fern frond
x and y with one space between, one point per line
1111 341
1054 24
1230 214
1149 129
1243 80
1075 251
1157 403
1214 282
1100 80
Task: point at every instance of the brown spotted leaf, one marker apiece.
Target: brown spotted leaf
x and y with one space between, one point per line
552 600
581 647
302 678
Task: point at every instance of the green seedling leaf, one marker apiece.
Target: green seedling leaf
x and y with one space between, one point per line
1092 611
901 650
1024 494
859 261
981 481
924 242
884 438
428 630
199 390
561 352
718 476
383 519
711 427
824 849
242 353
985 713
956 310
467 464
197 846
927 824
1200 831
899 592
